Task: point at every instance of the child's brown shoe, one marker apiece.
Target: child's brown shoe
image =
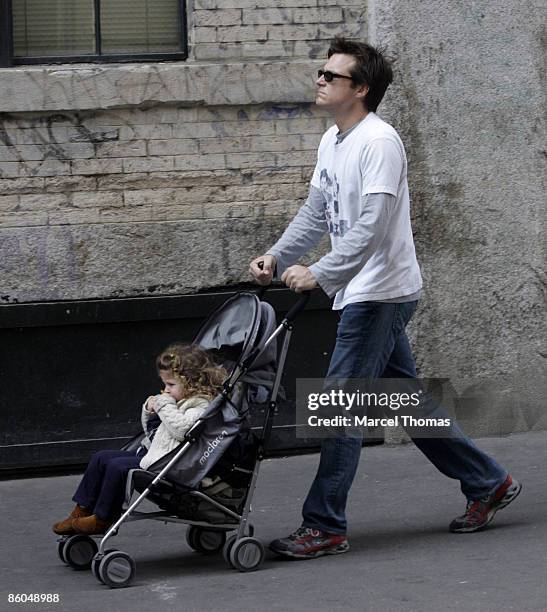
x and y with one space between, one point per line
65 527
90 525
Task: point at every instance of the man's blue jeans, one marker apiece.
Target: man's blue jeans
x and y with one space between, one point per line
371 342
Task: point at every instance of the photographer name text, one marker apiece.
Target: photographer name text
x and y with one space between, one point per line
405 420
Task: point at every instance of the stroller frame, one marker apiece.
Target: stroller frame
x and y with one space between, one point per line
241 551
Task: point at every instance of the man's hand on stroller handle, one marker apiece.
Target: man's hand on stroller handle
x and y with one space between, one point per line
299 278
262 269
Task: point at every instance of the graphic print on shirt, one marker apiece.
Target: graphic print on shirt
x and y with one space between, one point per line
330 188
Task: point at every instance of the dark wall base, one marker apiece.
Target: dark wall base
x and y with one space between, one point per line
75 374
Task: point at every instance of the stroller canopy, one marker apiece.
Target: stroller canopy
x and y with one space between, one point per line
237 327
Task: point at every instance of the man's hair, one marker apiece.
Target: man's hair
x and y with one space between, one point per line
371 68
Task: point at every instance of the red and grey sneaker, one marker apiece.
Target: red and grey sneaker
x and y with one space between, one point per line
480 512
307 543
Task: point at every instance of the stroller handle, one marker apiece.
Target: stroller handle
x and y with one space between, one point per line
298 307
263 288
289 318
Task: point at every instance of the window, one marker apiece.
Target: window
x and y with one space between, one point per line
59 31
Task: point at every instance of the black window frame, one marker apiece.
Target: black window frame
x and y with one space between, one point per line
6 44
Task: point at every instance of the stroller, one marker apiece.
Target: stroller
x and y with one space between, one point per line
242 335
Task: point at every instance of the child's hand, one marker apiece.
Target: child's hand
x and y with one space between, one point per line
151 404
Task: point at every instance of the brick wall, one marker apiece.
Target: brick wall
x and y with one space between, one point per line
147 172
156 165
270 29
106 171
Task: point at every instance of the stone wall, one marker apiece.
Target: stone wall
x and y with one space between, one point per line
469 99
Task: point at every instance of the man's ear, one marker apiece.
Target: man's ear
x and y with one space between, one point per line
362 91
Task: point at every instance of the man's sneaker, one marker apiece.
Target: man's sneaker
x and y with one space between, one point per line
307 543
480 512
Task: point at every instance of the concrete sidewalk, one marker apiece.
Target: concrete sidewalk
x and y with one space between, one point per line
402 556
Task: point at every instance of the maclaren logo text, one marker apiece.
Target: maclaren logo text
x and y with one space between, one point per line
212 446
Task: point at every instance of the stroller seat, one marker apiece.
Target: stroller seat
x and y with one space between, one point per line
200 505
143 478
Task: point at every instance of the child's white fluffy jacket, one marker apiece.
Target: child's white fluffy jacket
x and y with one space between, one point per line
176 420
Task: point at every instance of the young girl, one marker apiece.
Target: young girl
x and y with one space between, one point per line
191 381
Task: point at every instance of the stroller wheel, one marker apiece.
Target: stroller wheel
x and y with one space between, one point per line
205 541
78 551
227 548
247 554
97 561
117 569
61 549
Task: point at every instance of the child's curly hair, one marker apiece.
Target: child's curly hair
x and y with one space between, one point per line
194 367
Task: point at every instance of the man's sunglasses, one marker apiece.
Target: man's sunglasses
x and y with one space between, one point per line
329 76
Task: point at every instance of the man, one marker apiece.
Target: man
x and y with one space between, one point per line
373 271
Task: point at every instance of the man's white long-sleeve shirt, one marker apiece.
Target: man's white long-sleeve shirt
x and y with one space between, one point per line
359 194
